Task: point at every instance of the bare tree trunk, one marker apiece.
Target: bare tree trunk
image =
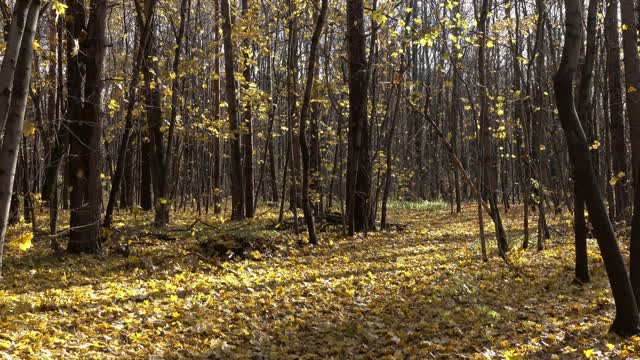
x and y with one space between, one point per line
237 197
615 106
632 78
359 163
86 144
15 119
490 179
9 61
247 136
304 115
584 101
626 322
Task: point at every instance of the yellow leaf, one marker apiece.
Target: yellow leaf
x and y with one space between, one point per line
23 242
489 44
29 128
59 8
588 353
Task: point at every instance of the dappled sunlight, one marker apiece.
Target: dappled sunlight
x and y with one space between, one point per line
422 291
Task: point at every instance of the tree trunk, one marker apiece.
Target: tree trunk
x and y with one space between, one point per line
237 197
615 106
358 160
15 119
632 78
85 145
626 321
10 58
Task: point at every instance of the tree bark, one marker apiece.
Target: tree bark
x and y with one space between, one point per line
237 197
626 322
15 119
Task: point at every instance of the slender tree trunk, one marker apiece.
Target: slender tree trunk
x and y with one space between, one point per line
584 114
304 115
10 58
615 106
15 119
632 78
247 121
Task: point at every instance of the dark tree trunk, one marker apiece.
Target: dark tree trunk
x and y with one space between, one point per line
614 76
237 197
358 159
626 321
85 145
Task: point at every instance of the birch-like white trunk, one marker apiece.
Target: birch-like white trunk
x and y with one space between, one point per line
15 119
8 69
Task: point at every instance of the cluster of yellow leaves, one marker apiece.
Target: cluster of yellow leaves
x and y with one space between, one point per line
22 242
419 292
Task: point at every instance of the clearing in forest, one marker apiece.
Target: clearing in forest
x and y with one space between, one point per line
417 291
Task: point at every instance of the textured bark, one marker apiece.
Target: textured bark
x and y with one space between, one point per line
237 197
614 76
626 321
15 119
304 116
247 123
489 163
358 159
632 78
584 104
86 143
10 58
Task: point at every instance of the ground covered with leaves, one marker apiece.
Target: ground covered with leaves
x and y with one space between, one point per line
221 290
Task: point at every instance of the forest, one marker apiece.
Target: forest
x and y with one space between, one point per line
269 179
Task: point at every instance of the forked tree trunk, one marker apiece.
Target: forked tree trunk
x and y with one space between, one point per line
584 113
626 322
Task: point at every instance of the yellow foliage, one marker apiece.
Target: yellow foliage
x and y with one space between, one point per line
22 242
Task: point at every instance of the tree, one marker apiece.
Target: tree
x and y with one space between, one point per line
358 159
584 106
85 123
632 79
489 164
614 77
15 117
237 197
626 321
304 115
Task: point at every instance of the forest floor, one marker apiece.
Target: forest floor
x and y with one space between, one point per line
418 291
